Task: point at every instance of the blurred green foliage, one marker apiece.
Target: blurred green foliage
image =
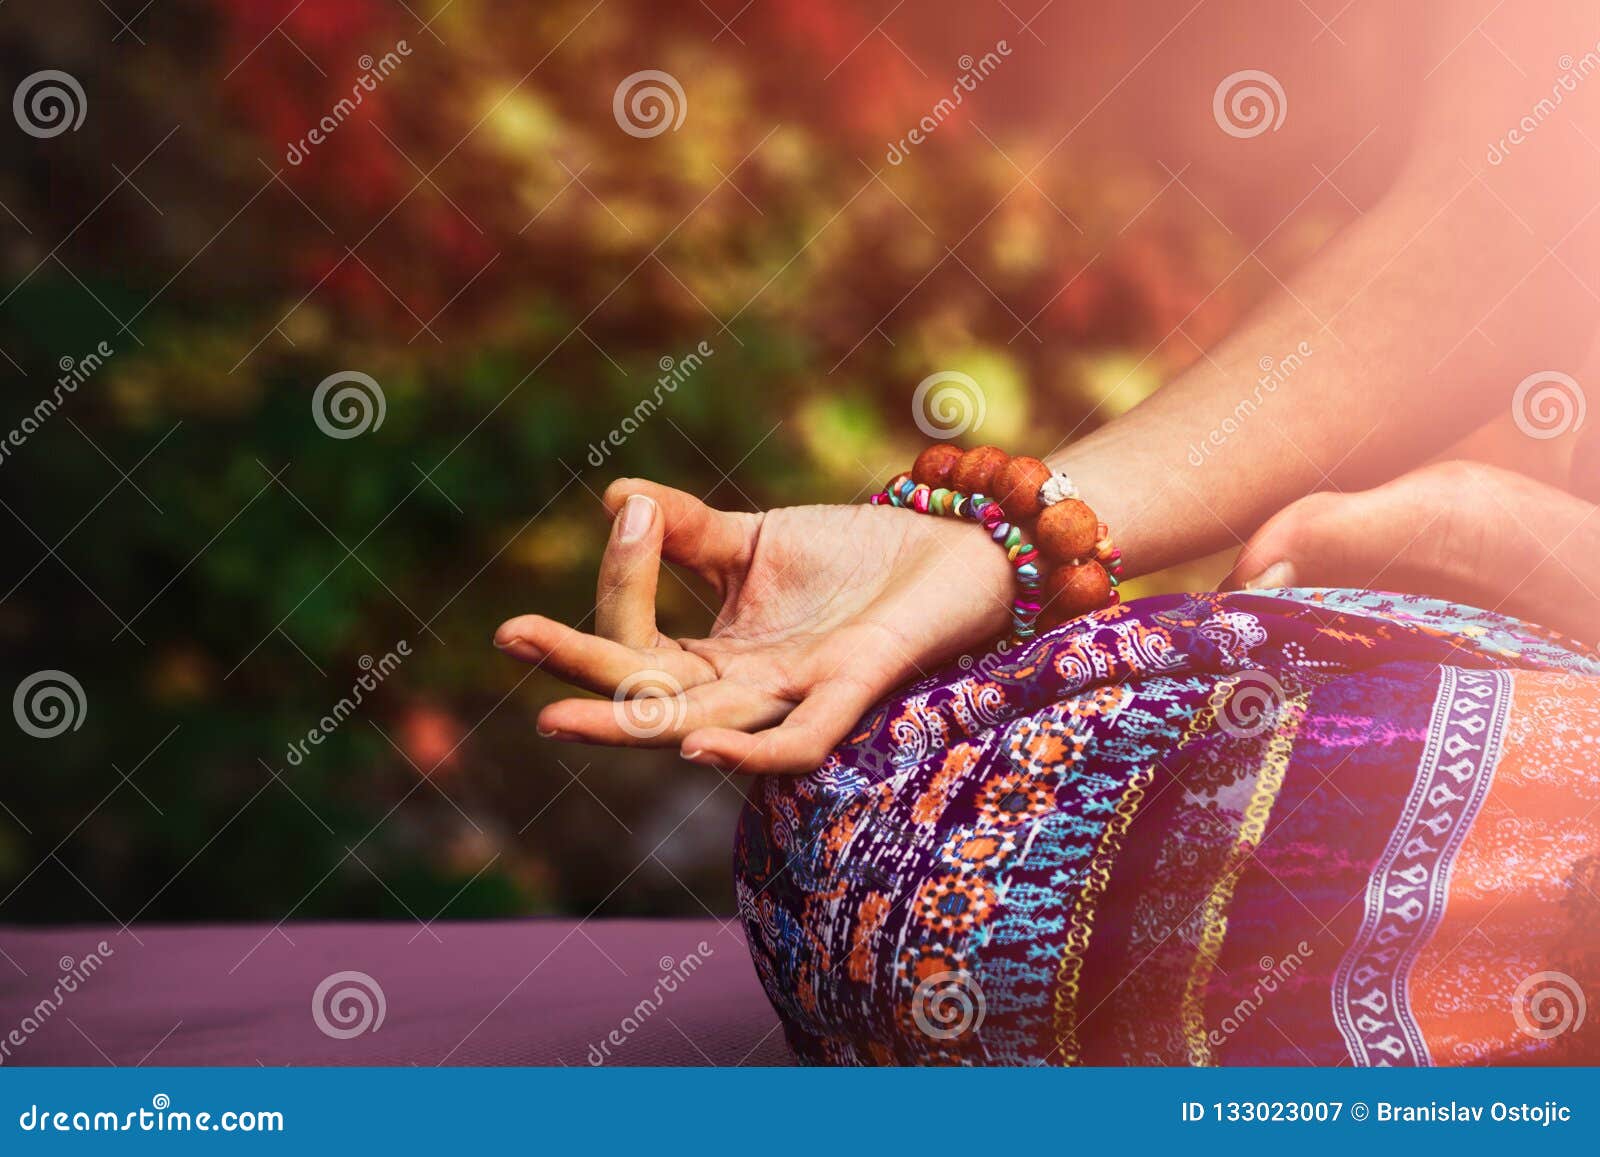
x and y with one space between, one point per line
483 240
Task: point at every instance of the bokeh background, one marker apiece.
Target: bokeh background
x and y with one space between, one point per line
484 239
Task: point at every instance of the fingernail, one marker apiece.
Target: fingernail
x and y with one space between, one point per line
521 649
1279 574
703 759
551 733
637 514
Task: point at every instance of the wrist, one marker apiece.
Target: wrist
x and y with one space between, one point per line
985 574
1063 562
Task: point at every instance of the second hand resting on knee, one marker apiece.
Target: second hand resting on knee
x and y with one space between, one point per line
1418 316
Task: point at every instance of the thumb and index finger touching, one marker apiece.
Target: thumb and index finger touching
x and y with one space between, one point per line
714 543
650 522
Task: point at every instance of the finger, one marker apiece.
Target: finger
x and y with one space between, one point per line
659 713
592 663
713 542
799 744
1311 542
625 602
1264 561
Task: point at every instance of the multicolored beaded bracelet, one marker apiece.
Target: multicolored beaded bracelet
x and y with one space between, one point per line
906 491
1001 493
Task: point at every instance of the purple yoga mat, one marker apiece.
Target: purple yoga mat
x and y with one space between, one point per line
514 992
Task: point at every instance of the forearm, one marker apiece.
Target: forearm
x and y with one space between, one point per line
1409 331
1417 322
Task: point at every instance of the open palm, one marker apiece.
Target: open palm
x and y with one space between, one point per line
825 609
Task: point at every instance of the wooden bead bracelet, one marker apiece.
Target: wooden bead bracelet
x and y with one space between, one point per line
1001 493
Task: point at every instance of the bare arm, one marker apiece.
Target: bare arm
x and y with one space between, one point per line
1420 319
1409 330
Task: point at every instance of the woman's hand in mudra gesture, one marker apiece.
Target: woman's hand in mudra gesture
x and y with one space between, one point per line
825 609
